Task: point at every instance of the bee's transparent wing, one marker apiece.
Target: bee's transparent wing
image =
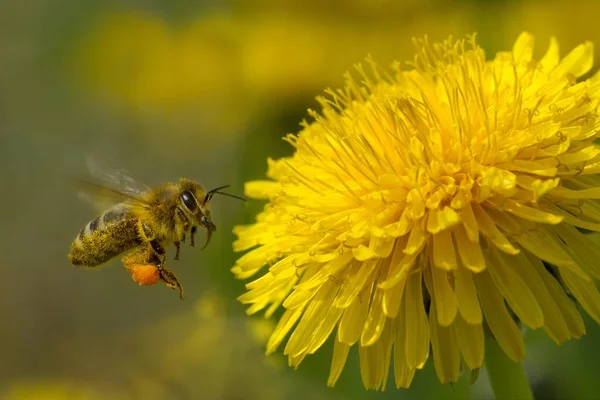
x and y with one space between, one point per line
110 185
112 175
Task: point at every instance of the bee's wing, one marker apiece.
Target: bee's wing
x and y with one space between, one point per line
102 197
113 176
110 185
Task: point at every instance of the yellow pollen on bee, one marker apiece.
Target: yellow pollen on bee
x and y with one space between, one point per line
144 274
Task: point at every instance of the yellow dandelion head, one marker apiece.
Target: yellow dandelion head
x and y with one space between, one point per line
424 206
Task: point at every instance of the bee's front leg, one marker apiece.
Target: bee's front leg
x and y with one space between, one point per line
192 233
177 248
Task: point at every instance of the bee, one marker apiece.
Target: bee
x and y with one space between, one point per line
139 223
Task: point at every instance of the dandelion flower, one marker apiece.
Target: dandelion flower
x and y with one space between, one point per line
424 207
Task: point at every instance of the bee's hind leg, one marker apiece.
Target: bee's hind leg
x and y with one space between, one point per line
146 268
149 237
141 265
159 250
167 276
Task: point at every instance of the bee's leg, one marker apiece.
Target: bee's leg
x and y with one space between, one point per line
159 250
145 232
167 276
138 256
142 265
146 268
177 248
148 236
192 233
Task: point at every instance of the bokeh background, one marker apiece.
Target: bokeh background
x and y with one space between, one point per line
203 89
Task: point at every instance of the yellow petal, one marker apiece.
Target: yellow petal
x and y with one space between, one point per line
311 320
381 245
545 245
584 291
554 323
240 273
584 250
466 296
378 248
552 56
580 223
402 372
569 312
294 361
400 265
362 253
262 282
285 324
443 251
355 284
471 341
488 227
500 180
299 298
531 214
446 352
580 156
332 268
578 62
374 364
590 193
340 355
262 189
416 239
439 220
386 342
498 319
470 223
353 320
375 320
515 291
470 252
287 266
531 167
446 299
415 329
323 331
523 48
392 299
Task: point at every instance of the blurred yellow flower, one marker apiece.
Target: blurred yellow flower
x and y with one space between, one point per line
175 77
50 390
423 205
137 59
207 78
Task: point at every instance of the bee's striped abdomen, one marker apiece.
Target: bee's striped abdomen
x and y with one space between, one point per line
105 237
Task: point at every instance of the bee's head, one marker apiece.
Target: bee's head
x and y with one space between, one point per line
196 203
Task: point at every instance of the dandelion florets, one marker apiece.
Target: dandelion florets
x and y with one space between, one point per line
424 206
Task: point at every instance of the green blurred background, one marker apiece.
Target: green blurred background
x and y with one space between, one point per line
203 89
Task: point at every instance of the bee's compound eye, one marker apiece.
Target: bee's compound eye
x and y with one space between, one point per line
188 199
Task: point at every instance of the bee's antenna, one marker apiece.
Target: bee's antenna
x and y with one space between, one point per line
214 191
231 195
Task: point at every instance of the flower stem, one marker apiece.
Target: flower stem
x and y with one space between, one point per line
507 377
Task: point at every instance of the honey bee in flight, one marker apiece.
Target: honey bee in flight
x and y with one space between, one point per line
139 223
